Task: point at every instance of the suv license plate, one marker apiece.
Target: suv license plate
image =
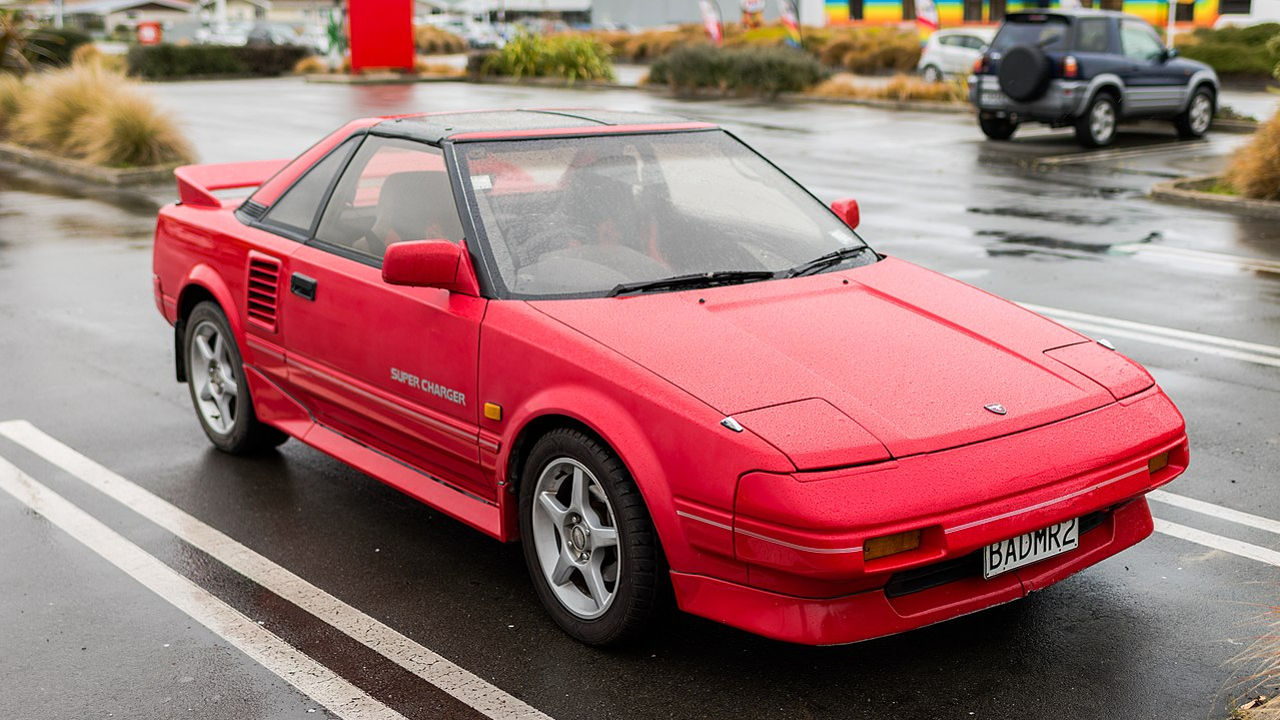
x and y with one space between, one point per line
1031 547
994 98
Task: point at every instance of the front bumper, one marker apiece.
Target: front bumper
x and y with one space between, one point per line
801 535
874 613
1062 102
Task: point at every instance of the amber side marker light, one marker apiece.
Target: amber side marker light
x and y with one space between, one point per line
493 411
890 544
1158 463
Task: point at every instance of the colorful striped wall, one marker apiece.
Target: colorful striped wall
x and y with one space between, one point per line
951 12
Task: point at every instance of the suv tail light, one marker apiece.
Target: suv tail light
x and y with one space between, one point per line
980 65
1070 68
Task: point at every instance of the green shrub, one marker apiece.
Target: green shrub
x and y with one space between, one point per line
167 62
571 57
1235 51
49 46
745 71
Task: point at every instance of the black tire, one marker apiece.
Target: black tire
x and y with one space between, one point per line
245 434
1024 73
997 128
1092 130
931 73
642 581
1189 123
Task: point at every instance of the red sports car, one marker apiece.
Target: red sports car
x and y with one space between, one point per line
638 346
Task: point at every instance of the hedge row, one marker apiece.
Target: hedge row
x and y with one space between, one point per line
168 62
742 71
1235 51
569 57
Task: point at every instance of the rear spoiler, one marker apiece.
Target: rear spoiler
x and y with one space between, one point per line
198 183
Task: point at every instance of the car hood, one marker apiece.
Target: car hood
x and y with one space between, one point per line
911 356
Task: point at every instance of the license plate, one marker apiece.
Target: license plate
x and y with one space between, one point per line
996 98
1031 547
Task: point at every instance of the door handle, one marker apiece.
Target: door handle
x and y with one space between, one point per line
303 286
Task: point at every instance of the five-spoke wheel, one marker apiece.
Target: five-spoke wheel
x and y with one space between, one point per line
215 376
589 542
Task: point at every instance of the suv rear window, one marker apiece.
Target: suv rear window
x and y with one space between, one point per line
1047 31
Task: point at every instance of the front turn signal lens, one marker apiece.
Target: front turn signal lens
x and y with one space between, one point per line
1158 463
890 544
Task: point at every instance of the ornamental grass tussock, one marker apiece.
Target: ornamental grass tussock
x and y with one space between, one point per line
89 113
1254 171
902 88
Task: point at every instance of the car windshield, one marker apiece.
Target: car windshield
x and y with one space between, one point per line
1047 31
585 216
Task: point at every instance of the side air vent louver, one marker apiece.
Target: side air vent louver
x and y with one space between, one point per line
263 290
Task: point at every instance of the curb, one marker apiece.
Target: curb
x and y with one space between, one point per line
118 177
900 105
1189 191
1234 126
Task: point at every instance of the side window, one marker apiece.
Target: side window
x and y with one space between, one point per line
1139 41
296 210
393 191
974 43
949 40
1092 35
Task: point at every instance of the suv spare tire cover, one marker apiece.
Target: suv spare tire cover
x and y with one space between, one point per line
1024 72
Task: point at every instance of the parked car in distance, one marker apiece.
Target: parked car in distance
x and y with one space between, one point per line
637 346
1087 69
952 52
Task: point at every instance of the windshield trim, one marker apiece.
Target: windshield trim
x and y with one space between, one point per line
491 281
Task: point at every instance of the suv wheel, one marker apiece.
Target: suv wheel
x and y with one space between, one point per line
215 376
588 540
1097 126
1194 122
995 127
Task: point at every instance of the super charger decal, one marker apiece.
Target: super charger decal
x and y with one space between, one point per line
428 387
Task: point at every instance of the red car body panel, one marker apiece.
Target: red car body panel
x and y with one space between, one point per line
861 396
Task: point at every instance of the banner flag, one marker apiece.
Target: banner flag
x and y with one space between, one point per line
711 21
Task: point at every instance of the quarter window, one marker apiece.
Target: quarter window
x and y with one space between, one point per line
1092 35
296 210
1139 41
393 191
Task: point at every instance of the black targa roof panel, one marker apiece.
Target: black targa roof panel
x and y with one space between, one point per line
437 127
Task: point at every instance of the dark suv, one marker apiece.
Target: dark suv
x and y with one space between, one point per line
1088 69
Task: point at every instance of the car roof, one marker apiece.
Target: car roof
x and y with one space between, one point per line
986 32
514 124
1072 12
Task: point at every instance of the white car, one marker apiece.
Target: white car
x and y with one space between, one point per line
953 52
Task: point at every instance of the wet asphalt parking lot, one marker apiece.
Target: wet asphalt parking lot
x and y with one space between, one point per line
386 607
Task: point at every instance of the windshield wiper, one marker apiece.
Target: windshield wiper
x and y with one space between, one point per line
693 280
830 259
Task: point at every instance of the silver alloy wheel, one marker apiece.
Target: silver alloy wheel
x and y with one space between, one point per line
1102 121
576 538
214 377
1201 113
932 74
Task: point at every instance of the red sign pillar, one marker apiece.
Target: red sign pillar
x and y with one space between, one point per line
381 34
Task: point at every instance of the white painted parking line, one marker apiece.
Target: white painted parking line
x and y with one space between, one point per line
1222 513
1218 542
311 678
1200 256
468 688
1169 337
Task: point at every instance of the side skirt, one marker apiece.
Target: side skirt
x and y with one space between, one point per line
276 407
